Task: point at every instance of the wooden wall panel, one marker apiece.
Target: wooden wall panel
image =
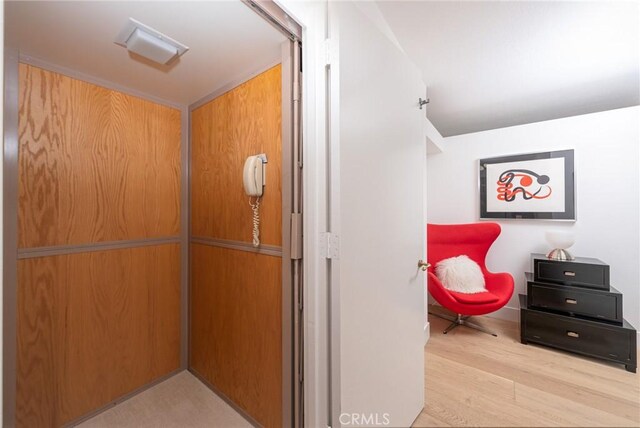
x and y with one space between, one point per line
92 327
94 164
236 327
242 122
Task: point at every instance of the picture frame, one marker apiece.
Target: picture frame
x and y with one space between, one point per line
537 186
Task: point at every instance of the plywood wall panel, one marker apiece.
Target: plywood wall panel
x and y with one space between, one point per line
236 327
242 122
92 327
94 164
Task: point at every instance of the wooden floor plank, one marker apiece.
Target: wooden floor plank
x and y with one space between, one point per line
593 374
463 407
443 371
566 412
427 420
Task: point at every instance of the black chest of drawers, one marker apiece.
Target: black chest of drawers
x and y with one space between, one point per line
582 272
583 319
565 299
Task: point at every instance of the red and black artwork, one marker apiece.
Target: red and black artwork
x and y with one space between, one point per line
523 182
528 186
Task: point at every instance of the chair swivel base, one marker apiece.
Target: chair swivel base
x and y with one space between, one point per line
462 320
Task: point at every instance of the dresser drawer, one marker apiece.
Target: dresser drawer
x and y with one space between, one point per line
601 305
581 272
610 342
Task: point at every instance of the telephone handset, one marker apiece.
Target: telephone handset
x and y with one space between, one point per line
254 175
254 182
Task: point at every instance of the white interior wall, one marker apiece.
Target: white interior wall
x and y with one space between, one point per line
608 190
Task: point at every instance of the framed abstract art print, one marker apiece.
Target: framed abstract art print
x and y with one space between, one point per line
528 186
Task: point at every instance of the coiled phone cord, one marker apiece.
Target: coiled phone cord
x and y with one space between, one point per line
256 221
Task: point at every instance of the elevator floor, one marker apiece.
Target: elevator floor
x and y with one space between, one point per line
180 401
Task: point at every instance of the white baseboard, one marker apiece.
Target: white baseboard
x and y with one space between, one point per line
506 313
427 332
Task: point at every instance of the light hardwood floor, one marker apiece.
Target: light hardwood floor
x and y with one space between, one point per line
474 379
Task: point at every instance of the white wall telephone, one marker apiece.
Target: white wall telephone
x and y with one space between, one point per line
254 175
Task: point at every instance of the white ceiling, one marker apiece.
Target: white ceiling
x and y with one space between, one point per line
495 64
227 40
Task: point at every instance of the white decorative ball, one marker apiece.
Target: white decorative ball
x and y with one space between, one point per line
561 240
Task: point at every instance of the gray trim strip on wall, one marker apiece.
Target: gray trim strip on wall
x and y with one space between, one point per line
188 266
58 250
184 237
268 250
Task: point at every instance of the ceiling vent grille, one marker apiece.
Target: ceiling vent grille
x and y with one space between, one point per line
149 43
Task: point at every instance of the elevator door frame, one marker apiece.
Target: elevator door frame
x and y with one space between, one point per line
292 239
292 212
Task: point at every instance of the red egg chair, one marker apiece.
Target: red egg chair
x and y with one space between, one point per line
473 240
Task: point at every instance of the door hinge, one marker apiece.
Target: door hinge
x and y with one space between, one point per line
296 236
330 245
297 83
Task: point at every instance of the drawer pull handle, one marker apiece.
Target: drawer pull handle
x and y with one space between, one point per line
569 273
572 334
571 301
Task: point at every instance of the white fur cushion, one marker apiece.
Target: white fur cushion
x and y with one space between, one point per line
460 274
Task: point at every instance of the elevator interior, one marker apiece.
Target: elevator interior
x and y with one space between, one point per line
130 234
